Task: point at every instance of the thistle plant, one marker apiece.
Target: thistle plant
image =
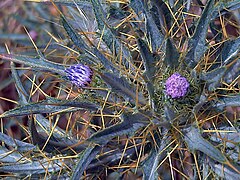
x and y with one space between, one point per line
147 95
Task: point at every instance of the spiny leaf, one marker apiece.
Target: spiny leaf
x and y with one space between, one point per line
169 114
20 89
71 103
7 156
107 64
31 168
112 157
49 106
149 64
224 7
230 50
99 14
150 166
151 163
19 145
230 135
224 171
23 100
58 132
155 36
79 42
52 146
36 108
13 37
39 63
223 102
137 6
5 83
232 72
121 86
197 43
162 14
85 159
130 124
172 55
117 12
148 59
195 141
82 3
213 78
109 35
202 100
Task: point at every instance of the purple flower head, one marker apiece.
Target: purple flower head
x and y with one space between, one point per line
80 75
177 86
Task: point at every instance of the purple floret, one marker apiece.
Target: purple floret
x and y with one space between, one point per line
176 86
80 75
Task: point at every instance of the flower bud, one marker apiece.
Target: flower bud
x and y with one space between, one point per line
80 75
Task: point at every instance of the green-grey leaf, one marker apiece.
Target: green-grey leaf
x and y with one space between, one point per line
202 100
109 35
172 55
14 37
80 43
85 159
7 156
197 44
49 106
137 6
148 59
6 82
81 3
20 89
230 50
213 78
62 145
162 14
34 167
169 114
130 124
214 75
23 96
112 157
232 72
150 166
227 101
195 141
36 108
58 132
39 63
77 39
100 15
121 86
71 103
155 36
224 171
224 7
149 64
107 64
151 163
19 145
